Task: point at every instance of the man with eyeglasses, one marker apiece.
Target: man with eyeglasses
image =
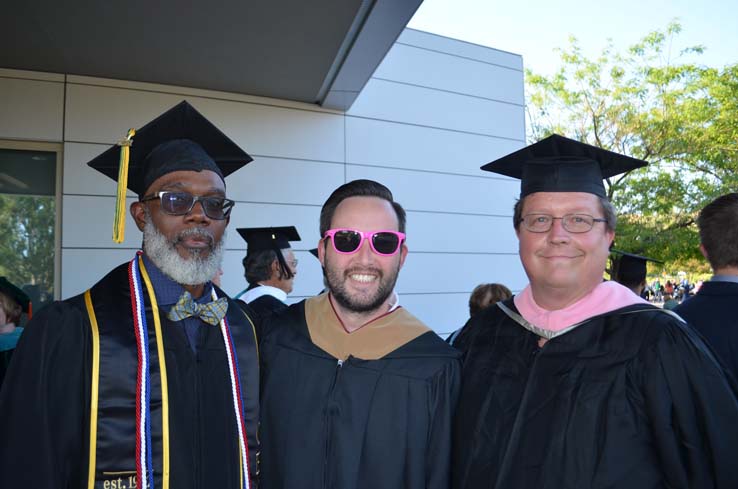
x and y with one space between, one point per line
357 393
150 378
579 383
270 267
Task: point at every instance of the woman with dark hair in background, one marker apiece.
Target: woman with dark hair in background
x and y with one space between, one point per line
483 296
13 302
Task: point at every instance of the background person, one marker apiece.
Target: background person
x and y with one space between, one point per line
483 296
629 269
270 267
713 310
13 303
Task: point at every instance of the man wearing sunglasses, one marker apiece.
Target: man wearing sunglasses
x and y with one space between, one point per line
579 383
150 378
357 392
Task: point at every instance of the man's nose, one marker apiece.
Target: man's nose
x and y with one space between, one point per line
558 233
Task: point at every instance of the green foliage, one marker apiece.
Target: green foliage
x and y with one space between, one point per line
27 241
680 116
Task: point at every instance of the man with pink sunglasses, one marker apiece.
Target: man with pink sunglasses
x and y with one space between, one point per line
357 392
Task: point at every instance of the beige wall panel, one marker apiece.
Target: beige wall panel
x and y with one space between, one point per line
103 114
31 109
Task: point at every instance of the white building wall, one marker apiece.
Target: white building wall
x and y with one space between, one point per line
434 111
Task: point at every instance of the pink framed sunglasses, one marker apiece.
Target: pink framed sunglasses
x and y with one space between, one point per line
349 241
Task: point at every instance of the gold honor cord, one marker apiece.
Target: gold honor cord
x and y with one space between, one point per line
162 376
119 225
94 384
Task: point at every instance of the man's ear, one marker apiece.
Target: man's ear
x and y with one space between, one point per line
704 252
276 269
403 254
138 212
321 251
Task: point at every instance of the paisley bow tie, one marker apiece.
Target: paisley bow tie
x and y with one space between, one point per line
210 312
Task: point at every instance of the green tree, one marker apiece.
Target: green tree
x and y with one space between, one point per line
650 103
27 242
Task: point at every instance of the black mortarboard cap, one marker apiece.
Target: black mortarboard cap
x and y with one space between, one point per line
269 238
15 294
630 268
314 252
179 139
559 164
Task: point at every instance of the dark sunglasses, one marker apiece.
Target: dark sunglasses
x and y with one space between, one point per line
181 203
348 241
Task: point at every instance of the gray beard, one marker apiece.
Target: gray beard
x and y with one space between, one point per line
185 271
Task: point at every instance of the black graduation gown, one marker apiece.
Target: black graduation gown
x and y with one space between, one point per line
261 308
5 357
362 424
627 400
45 400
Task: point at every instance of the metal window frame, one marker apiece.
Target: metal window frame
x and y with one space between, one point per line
58 149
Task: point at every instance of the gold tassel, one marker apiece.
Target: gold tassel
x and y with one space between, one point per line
119 225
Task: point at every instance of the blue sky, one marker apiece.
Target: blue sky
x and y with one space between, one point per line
533 28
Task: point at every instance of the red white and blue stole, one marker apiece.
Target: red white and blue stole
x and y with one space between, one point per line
111 385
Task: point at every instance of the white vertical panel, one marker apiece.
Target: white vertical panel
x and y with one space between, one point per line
413 147
398 102
434 42
433 273
418 66
444 193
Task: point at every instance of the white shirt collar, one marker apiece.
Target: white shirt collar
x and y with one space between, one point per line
257 292
394 301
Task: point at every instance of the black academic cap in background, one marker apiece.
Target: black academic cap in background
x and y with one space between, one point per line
314 252
15 294
268 238
559 164
630 268
179 139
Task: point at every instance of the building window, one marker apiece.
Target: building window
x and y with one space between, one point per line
29 241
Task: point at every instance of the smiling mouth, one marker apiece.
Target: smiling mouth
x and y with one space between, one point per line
362 277
561 257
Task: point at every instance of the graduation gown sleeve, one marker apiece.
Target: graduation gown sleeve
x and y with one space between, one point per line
693 411
443 398
43 401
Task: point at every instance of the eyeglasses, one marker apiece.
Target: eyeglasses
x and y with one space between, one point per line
348 241
181 203
574 223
